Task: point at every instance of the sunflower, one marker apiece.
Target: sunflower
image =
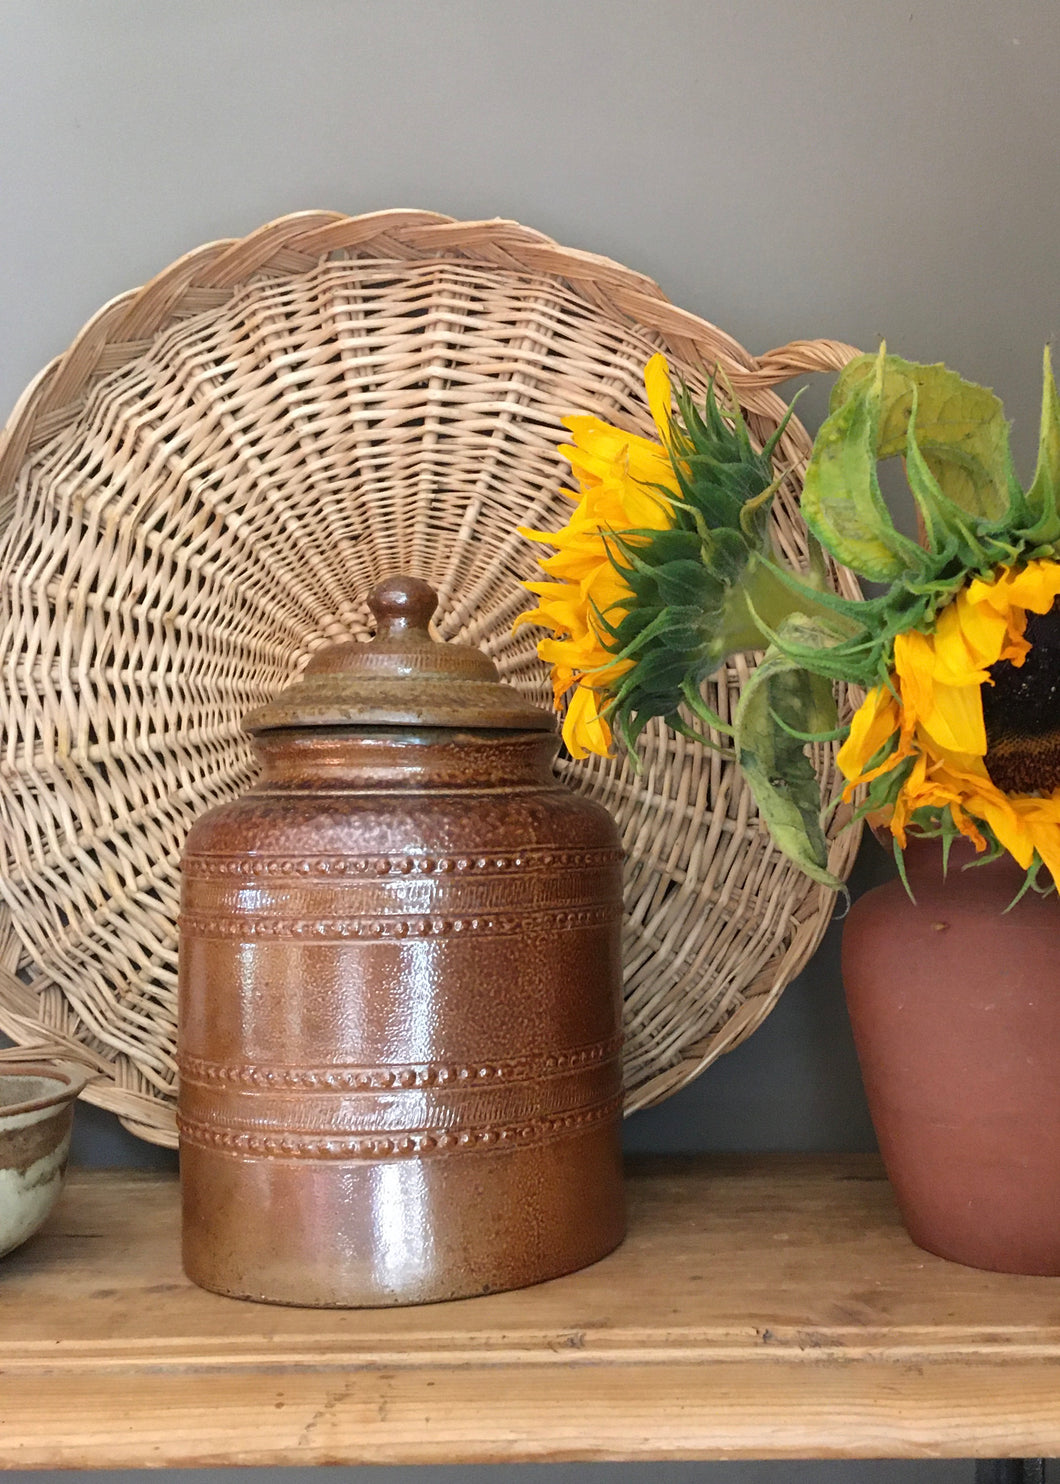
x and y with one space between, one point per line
660 572
627 485
937 742
666 568
961 732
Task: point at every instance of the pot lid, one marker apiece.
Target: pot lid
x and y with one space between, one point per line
401 677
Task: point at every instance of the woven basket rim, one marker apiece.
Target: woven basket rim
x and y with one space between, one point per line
208 276
134 318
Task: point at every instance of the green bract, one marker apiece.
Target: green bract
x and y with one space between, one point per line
702 586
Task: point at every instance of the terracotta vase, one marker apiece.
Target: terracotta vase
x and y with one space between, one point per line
400 1013
955 1008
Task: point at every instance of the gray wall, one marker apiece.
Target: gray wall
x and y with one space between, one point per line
784 167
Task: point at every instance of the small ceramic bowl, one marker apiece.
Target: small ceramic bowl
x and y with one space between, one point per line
36 1115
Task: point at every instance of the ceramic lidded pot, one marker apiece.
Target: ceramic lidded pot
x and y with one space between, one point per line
400 991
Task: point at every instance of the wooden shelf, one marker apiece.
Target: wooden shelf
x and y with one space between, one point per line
761 1308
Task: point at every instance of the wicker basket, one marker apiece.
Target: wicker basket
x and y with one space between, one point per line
200 492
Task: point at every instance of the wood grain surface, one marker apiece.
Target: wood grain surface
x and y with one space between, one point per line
761 1307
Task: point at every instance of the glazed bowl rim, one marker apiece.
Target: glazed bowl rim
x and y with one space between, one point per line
71 1077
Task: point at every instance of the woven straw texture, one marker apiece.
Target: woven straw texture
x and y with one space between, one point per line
200 493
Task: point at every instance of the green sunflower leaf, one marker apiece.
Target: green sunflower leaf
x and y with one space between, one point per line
948 529
754 518
669 545
721 476
841 498
727 556
1043 497
780 703
961 430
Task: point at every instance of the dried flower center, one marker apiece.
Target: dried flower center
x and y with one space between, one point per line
1022 713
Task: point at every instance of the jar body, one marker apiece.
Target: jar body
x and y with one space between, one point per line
955 1006
400 1023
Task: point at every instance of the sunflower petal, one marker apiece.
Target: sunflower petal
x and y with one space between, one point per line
660 395
584 729
1035 586
873 724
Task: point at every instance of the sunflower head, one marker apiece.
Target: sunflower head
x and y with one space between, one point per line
960 734
701 585
661 571
666 568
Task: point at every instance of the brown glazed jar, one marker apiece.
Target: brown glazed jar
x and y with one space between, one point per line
400 991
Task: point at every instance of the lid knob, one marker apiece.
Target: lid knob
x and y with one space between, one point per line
401 677
402 605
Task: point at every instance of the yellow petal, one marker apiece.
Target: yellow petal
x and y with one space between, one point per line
548 538
660 397
966 641
647 507
875 720
1036 828
577 560
605 455
951 715
939 677
585 652
914 671
1011 831
1035 586
955 719
608 593
584 729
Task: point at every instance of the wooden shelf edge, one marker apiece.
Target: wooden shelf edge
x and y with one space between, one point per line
760 1308
498 1414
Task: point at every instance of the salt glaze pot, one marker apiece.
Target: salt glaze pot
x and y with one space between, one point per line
400 991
